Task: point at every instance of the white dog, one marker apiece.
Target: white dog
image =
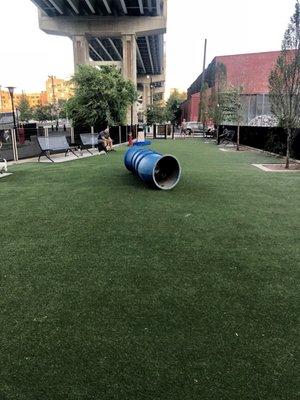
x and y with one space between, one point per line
3 165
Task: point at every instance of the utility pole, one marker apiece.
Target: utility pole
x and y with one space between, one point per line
11 93
54 99
53 91
204 62
201 117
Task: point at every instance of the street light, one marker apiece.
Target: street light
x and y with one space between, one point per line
11 92
54 101
151 87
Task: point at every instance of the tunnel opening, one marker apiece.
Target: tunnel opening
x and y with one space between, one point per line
166 172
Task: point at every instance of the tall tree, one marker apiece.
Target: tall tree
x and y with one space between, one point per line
156 114
42 113
62 108
284 81
101 96
215 111
231 106
173 111
24 109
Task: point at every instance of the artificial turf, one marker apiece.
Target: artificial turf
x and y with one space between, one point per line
109 290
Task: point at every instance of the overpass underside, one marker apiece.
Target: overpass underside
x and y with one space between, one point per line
126 33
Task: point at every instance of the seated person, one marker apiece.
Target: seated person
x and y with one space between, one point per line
102 142
105 141
109 141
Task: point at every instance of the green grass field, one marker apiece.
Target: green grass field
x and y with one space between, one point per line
111 291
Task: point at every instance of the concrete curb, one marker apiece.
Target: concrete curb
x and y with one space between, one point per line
270 153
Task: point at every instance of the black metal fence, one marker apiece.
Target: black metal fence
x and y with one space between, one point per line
119 134
162 131
27 143
267 138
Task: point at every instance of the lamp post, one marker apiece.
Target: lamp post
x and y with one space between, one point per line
218 118
201 110
11 92
151 87
55 105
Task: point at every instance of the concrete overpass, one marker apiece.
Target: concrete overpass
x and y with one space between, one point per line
128 33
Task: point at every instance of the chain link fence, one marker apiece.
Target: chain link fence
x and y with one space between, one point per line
256 110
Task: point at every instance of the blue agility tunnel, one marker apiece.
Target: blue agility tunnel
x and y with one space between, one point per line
144 143
156 170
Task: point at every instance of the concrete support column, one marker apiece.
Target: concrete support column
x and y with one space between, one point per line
146 96
165 8
129 68
129 57
80 51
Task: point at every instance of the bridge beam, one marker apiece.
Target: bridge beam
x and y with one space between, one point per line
117 64
102 26
128 28
143 79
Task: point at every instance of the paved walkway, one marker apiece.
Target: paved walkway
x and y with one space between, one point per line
59 158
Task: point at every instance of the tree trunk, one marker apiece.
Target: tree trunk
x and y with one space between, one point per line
288 145
238 138
218 135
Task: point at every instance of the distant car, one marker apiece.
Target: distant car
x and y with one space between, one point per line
194 127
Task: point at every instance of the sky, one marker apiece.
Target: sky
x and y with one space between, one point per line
28 56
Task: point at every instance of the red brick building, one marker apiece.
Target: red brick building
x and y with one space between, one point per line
190 107
251 71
